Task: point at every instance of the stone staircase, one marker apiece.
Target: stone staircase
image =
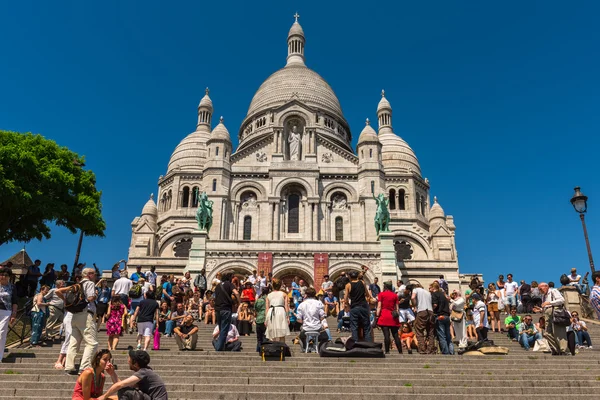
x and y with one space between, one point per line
205 374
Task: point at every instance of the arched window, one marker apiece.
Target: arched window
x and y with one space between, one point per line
370 153
195 196
185 197
401 201
293 213
214 185
418 203
392 199
169 197
339 229
247 227
217 152
163 202
423 205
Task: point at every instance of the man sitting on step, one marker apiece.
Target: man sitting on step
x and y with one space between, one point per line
186 335
310 314
528 333
513 323
232 342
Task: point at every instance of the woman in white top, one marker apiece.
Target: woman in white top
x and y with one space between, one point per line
457 304
492 300
277 313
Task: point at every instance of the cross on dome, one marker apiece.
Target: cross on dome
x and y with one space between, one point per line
382 93
296 16
206 91
368 122
221 119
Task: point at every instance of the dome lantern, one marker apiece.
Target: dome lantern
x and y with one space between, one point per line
205 110
295 43
384 112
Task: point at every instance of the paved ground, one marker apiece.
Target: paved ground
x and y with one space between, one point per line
205 374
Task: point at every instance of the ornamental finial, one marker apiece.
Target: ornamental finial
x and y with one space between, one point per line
221 119
382 93
206 91
296 16
368 122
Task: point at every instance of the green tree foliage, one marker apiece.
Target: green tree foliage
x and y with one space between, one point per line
43 183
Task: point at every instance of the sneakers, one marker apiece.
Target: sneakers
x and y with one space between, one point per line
72 372
409 351
139 346
590 347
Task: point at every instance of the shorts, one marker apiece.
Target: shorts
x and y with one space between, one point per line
493 307
511 301
145 328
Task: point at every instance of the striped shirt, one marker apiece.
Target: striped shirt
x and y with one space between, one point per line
595 299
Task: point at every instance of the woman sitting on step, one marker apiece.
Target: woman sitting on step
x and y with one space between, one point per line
90 384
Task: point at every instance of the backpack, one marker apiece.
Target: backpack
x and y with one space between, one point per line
75 300
443 285
135 291
340 284
564 279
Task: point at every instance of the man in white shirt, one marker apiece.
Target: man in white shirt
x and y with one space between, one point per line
575 280
480 317
310 314
121 287
510 291
261 283
551 300
232 342
151 276
327 285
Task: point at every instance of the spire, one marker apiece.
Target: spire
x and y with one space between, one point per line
295 43
205 111
384 112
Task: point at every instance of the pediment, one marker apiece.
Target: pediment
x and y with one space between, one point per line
441 231
332 155
144 227
255 154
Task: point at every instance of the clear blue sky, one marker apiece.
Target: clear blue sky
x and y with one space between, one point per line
500 102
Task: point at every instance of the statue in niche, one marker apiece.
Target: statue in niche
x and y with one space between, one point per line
339 203
382 216
204 213
295 145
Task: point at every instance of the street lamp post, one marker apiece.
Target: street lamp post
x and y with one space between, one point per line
579 202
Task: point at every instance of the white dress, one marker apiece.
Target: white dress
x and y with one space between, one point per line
276 319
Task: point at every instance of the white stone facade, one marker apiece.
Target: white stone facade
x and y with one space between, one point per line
295 200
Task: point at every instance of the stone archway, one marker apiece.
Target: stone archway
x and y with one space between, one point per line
289 270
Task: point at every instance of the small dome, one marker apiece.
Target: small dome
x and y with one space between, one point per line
296 29
150 207
368 134
206 101
189 155
384 104
396 154
220 132
436 210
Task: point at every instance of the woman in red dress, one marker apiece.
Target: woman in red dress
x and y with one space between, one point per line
387 303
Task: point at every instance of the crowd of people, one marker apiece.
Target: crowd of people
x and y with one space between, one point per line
409 316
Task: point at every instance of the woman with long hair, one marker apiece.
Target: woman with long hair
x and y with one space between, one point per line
244 320
90 384
114 325
457 305
277 313
38 316
165 325
492 300
388 316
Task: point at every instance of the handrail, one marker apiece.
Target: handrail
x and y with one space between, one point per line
21 313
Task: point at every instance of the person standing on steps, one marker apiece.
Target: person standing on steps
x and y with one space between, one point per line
200 282
480 317
144 316
278 308
8 305
389 316
425 320
441 310
357 297
595 293
56 311
226 296
83 325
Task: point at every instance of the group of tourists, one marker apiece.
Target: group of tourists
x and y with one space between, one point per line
410 317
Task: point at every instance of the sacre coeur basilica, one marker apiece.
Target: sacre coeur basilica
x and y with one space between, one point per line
294 198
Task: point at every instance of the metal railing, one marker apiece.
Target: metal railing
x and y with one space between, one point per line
21 329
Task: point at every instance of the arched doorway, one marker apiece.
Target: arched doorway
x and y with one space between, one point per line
287 276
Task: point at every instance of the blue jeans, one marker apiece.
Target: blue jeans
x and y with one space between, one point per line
442 328
224 321
360 317
169 326
583 336
528 340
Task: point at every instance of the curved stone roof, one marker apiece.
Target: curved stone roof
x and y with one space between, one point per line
296 82
220 132
436 210
189 153
368 134
384 104
296 29
397 155
150 207
206 101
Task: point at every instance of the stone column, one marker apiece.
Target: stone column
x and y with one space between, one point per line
389 269
276 222
197 258
315 214
308 221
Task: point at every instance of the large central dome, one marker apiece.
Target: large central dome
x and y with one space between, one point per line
296 81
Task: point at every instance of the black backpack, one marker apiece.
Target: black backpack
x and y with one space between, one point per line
75 300
564 279
274 351
340 284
